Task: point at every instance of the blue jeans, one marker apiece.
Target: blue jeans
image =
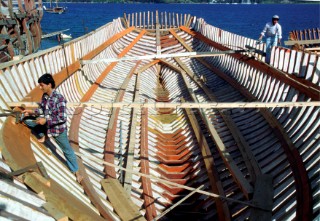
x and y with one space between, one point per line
270 42
39 130
62 140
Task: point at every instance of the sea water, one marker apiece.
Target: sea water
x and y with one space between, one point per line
243 19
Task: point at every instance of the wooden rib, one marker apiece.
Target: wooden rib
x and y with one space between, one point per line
302 184
66 72
248 157
103 75
74 135
216 185
132 139
110 41
86 183
303 189
149 200
112 126
147 176
145 67
305 86
234 170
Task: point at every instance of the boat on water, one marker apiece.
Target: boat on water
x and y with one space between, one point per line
54 10
66 36
171 119
20 28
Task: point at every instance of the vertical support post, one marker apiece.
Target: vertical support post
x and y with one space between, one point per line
144 19
148 22
158 34
136 19
165 20
173 20
121 155
178 24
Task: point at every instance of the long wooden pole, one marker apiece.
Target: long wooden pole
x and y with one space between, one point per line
159 56
216 105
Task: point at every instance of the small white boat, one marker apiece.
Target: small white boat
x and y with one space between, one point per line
65 36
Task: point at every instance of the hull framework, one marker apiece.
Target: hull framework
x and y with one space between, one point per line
20 28
158 155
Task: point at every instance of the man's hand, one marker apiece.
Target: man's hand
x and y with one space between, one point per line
41 121
27 112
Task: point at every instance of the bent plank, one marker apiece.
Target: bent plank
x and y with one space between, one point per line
121 202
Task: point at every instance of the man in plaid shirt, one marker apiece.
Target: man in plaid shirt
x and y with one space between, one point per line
51 118
53 109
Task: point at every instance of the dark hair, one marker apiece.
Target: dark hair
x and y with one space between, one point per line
47 79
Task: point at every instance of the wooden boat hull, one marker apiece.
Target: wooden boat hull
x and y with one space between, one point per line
196 159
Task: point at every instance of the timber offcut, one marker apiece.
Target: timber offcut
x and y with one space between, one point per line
171 118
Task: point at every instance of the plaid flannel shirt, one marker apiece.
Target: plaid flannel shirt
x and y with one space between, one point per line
53 109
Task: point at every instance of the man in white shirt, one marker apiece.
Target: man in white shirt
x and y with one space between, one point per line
273 33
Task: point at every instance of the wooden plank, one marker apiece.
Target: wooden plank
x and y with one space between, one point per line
61 198
149 199
86 184
262 198
302 184
132 142
66 72
17 152
312 49
103 75
302 42
112 126
120 201
244 147
214 179
54 212
26 169
159 56
216 105
94 159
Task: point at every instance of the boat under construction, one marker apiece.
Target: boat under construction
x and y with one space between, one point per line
171 118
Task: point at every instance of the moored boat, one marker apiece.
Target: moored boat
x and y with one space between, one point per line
171 118
54 9
20 28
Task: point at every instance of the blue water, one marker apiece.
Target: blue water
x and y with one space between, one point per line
244 19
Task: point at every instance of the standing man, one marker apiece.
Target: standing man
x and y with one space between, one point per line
51 119
273 33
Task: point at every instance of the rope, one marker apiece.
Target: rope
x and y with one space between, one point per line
168 182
